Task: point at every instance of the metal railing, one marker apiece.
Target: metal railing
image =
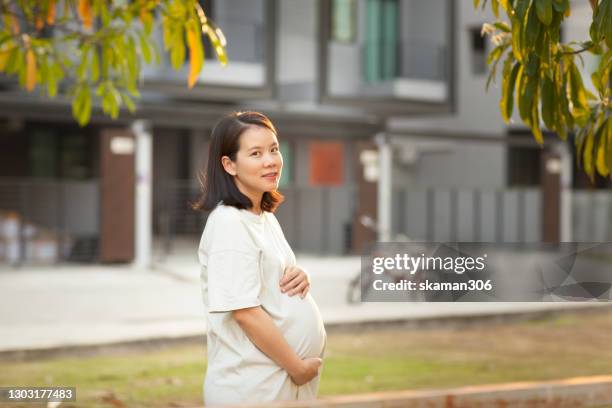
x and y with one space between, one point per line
314 219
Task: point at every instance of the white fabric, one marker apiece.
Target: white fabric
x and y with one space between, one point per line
243 257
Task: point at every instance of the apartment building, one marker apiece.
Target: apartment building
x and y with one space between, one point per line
366 94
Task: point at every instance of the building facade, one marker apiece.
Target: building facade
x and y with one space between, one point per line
369 96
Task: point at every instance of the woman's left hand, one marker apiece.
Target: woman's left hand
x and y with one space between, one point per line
295 281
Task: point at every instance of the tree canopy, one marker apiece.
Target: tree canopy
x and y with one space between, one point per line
94 50
540 73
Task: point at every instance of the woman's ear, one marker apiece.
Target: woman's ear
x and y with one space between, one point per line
228 165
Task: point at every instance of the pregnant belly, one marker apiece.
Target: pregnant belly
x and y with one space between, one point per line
302 326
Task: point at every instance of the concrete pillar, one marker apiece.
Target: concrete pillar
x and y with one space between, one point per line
144 198
567 169
385 162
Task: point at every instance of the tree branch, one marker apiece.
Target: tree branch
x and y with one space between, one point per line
575 52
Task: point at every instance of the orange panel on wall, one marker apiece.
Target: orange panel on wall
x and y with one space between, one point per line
326 163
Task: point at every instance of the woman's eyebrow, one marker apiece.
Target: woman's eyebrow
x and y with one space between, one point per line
259 147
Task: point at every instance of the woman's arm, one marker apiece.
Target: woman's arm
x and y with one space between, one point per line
262 331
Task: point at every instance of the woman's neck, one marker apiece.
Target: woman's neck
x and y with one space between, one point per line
256 209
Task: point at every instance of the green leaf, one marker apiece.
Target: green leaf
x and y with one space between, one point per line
502 26
527 95
548 102
560 5
535 125
601 150
506 104
561 78
495 8
492 73
578 96
177 52
147 22
544 11
131 61
532 64
82 69
608 132
532 29
14 61
51 82
95 66
607 25
587 154
144 47
81 104
177 10
517 30
128 102
495 53
554 29
168 34
85 115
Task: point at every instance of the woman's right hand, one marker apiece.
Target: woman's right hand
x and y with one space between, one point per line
308 369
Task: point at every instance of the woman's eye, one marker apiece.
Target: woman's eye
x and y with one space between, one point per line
255 154
274 149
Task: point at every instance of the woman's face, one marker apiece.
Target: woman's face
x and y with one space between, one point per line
258 164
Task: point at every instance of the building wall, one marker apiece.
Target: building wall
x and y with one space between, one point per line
476 111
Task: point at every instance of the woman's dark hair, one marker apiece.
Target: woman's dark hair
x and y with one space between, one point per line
217 185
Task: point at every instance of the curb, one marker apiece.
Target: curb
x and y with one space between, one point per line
570 392
422 323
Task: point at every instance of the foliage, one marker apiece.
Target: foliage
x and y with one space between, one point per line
94 50
541 75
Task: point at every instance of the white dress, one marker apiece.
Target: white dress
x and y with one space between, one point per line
243 257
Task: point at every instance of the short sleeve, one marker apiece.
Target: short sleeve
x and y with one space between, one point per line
234 281
234 266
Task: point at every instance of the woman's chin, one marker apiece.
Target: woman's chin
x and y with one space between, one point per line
271 186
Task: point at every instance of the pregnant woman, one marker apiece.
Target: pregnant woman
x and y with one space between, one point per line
264 343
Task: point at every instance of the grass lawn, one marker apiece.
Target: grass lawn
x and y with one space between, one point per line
393 359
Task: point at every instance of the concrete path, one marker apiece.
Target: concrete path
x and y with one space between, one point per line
46 307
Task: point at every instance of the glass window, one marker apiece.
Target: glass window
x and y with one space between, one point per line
479 51
344 15
287 173
43 154
381 43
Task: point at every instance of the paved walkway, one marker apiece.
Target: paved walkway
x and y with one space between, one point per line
46 307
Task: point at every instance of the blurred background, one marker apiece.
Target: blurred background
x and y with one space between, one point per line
346 82
382 113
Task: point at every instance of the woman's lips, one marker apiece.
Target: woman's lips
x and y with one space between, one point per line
271 176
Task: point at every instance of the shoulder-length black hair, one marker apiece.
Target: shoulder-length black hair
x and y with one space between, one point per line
218 185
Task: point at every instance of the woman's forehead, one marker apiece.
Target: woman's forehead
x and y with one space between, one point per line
257 136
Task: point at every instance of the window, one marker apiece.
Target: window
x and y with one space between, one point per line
381 43
523 162
60 153
344 16
287 173
478 51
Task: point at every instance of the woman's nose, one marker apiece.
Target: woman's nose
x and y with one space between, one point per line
269 160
